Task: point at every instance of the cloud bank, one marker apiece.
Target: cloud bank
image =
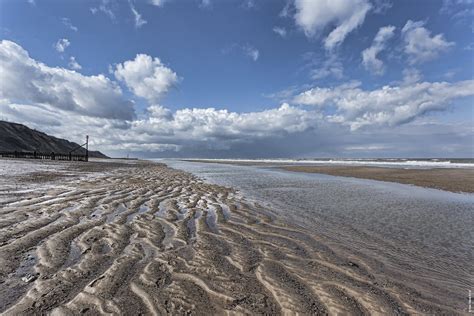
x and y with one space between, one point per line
319 121
389 105
27 80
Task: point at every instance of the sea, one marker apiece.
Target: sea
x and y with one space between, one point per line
419 235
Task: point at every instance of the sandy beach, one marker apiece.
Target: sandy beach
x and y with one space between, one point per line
135 237
449 179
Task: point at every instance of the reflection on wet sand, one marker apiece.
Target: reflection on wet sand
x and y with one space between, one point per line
144 238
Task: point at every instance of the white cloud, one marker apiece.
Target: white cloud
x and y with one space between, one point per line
449 74
73 64
459 10
251 51
248 4
287 10
139 21
164 133
211 124
205 4
28 81
107 7
62 44
146 77
369 55
247 49
330 67
382 6
158 3
68 23
385 106
163 130
280 31
420 46
411 75
313 16
68 104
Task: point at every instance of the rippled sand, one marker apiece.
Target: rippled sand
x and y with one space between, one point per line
131 238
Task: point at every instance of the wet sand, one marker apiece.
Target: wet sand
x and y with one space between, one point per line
140 238
449 179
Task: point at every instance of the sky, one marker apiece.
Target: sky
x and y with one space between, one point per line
243 78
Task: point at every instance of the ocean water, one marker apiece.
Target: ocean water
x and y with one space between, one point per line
395 162
418 235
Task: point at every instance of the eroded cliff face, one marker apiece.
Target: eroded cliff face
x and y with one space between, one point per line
19 137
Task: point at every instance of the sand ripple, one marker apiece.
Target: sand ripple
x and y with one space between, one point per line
153 240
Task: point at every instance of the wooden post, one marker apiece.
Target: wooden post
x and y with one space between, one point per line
87 147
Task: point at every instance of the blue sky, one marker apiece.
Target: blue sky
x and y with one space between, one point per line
244 78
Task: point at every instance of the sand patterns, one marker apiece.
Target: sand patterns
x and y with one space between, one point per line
153 240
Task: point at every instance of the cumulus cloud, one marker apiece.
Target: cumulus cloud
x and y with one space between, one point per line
31 82
146 77
280 31
369 55
62 44
221 129
139 21
420 46
385 106
68 104
313 16
164 130
73 64
151 137
68 23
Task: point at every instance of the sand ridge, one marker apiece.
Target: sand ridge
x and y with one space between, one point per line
144 238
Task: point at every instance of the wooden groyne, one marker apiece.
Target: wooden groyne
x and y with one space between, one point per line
70 156
41 155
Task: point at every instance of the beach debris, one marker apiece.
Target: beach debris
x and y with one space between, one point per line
353 264
85 310
29 277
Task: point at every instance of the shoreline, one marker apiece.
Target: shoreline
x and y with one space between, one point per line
456 180
140 237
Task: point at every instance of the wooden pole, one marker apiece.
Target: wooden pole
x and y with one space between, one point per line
87 147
